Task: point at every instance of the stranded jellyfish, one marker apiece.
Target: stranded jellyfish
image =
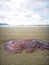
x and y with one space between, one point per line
29 45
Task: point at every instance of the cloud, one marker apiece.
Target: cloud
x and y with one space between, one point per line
17 12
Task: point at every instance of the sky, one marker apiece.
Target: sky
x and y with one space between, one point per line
24 12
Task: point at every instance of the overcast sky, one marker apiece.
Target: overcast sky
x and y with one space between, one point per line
24 12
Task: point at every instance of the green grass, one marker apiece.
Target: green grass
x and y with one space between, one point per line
36 58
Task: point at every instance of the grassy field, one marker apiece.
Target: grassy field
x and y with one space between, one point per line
37 58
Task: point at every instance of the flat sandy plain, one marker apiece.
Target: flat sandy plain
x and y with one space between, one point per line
38 57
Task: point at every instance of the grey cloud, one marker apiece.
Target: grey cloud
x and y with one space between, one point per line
2 17
16 15
5 0
4 8
28 16
34 4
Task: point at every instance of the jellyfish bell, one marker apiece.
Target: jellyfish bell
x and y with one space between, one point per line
12 46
